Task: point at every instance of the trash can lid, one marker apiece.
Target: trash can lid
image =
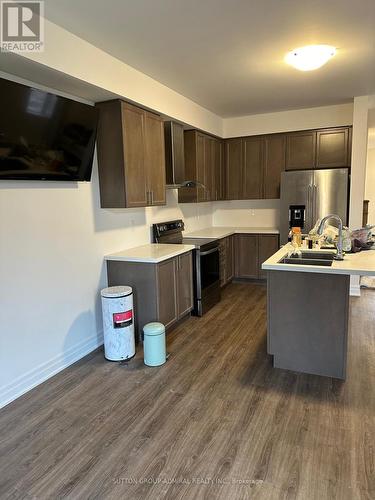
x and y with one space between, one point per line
115 292
154 329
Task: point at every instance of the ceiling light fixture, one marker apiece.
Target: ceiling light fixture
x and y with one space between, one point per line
310 57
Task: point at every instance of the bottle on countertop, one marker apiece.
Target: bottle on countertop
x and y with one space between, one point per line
296 243
297 236
346 239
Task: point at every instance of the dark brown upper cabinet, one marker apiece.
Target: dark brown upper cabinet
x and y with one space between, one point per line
323 148
194 167
154 158
274 164
214 172
234 158
131 156
300 150
209 170
202 164
254 165
252 176
332 148
174 153
220 171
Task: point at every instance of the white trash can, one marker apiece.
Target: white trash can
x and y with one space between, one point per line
118 323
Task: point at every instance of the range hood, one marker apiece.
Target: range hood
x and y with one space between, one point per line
175 157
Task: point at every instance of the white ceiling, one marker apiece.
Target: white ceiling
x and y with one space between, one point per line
227 55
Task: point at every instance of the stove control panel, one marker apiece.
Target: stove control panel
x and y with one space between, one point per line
163 229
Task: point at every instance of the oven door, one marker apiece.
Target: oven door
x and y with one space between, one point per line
209 269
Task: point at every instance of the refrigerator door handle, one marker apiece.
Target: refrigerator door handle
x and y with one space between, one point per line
308 215
314 200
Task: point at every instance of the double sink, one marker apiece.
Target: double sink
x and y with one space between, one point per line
312 258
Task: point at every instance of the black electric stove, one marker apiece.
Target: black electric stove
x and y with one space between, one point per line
206 263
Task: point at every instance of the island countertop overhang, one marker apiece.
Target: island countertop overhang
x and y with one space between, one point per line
361 263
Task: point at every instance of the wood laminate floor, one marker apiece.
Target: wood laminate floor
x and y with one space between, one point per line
217 421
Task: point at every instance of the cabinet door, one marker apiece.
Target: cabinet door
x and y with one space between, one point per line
268 244
185 284
135 175
246 256
189 195
229 258
253 168
220 171
332 148
274 164
223 261
201 193
209 161
300 150
174 152
167 292
155 158
233 168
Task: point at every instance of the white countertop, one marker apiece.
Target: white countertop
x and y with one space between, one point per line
361 263
153 253
221 232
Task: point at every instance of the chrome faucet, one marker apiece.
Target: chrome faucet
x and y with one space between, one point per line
340 253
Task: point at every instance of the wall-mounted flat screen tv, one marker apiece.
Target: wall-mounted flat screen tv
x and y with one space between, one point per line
44 136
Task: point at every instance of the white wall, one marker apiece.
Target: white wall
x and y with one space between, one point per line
358 171
359 157
77 58
370 184
53 239
247 213
287 121
370 164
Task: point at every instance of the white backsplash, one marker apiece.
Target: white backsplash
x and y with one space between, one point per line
247 213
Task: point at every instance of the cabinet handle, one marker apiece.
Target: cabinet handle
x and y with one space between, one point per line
147 198
152 197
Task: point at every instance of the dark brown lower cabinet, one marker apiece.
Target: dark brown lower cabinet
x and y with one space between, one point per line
167 306
246 256
184 284
226 260
162 292
250 251
229 241
268 244
223 258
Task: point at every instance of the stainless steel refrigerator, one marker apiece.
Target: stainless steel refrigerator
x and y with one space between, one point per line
309 195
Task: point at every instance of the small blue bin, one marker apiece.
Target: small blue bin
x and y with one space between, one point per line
154 348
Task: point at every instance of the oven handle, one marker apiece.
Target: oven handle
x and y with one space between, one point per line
216 249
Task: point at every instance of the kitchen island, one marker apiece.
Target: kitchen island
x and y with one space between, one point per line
308 309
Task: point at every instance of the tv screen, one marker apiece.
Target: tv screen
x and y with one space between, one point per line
44 136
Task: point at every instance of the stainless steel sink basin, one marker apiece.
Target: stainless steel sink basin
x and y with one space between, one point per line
318 255
307 262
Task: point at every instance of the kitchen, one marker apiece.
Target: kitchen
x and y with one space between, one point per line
199 174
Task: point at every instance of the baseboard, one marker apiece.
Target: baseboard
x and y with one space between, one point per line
46 370
355 291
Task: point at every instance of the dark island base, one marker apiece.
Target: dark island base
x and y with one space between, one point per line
308 317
